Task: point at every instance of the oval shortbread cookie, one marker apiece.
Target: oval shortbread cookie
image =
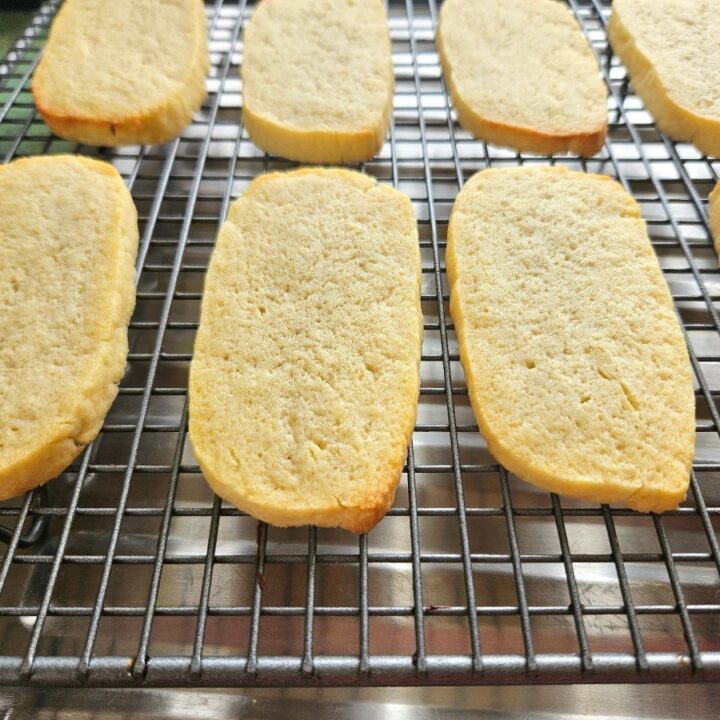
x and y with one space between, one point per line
120 72
318 79
575 363
304 380
68 239
521 74
671 52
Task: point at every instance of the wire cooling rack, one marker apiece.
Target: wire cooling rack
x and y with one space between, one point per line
135 574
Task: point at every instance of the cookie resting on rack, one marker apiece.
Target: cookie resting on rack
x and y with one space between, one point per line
123 72
305 375
318 79
68 240
672 56
576 366
521 74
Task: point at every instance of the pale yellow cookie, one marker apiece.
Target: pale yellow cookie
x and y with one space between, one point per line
671 52
576 366
318 79
68 240
123 72
521 74
304 380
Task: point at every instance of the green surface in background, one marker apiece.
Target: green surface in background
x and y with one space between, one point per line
36 137
12 23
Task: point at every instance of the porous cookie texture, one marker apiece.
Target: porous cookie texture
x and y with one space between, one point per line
575 363
305 374
68 240
521 74
318 79
123 72
672 56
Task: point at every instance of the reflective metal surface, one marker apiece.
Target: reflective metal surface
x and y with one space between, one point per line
652 702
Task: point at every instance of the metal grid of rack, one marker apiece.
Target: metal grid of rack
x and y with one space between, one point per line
128 571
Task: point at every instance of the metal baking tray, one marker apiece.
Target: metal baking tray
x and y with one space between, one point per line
128 571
